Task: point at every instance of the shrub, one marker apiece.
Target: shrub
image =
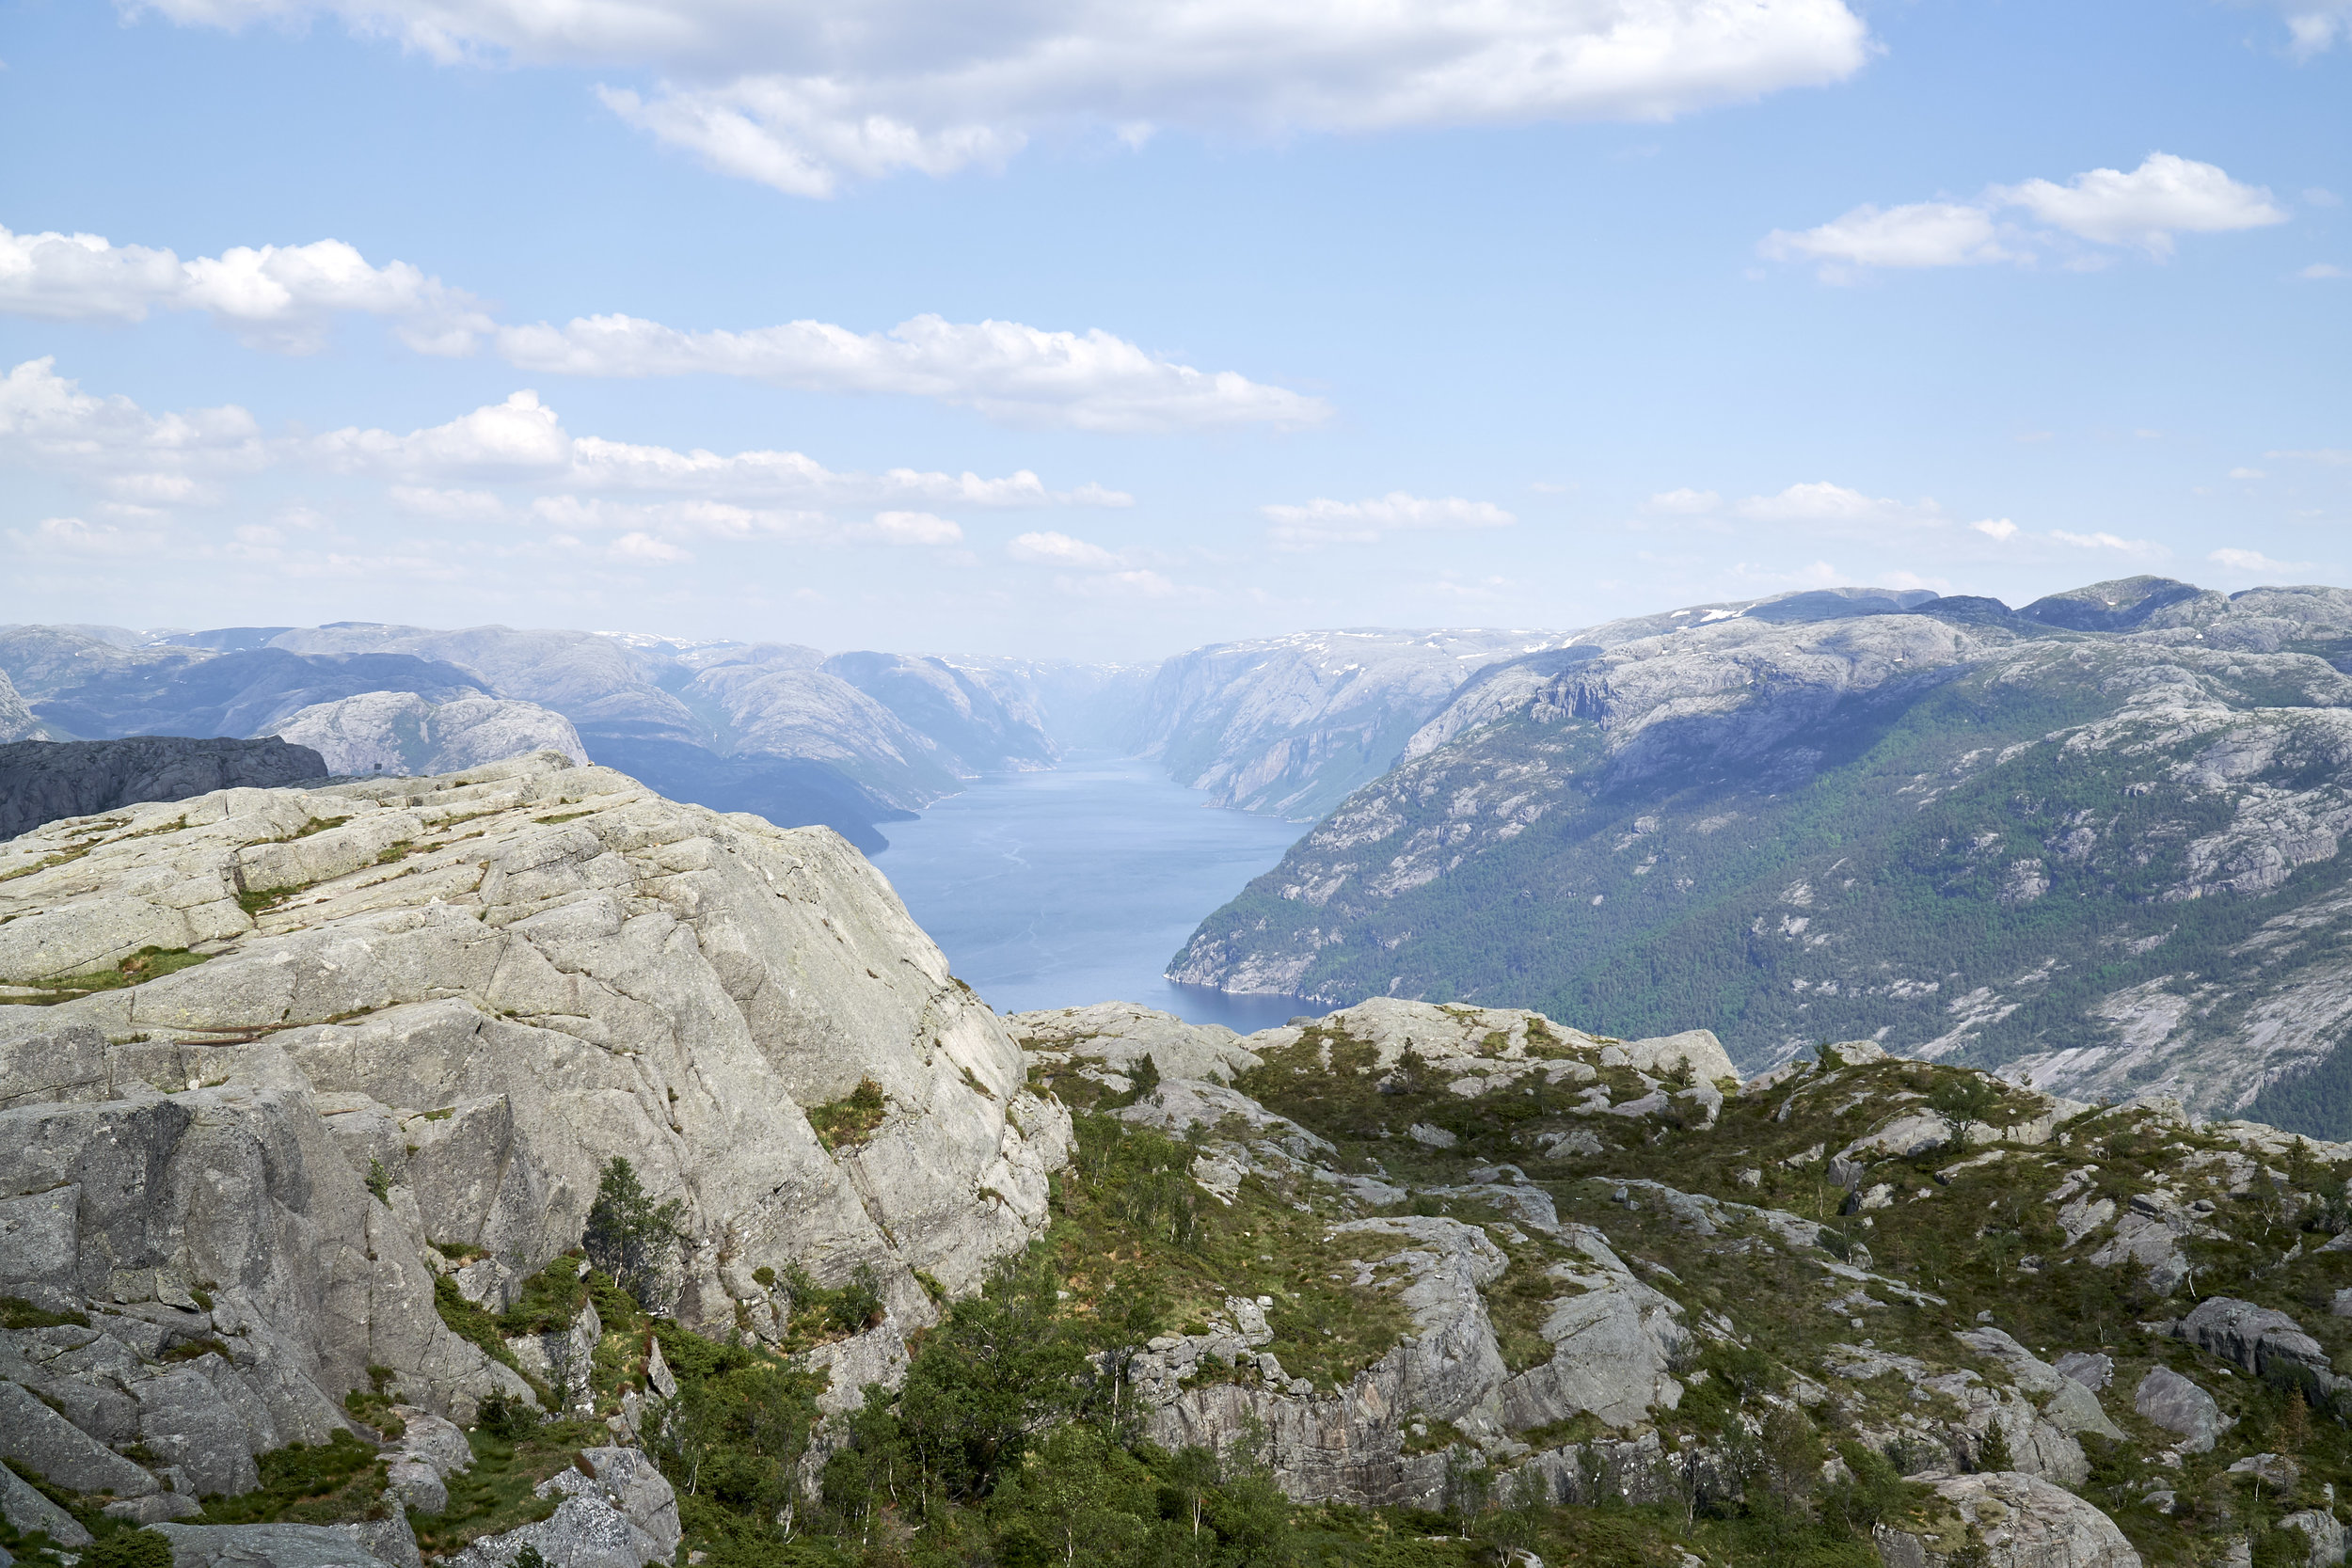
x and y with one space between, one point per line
631 1238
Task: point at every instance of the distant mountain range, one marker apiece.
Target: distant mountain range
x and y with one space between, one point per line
1286 726
2093 843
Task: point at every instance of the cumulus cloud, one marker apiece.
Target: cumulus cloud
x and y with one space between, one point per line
1838 507
2104 540
2165 196
2315 27
48 424
802 94
284 298
1324 521
1061 549
1685 502
2145 208
2320 271
1920 234
2254 562
1996 528
452 472
279 297
1003 369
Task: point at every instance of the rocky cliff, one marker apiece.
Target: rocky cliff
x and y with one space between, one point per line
400 733
297 1079
41 780
1291 726
2094 842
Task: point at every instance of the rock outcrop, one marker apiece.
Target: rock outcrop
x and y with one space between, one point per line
1619 825
396 1017
2022 1522
400 734
42 781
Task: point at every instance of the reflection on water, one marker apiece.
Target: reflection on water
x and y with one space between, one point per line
1055 889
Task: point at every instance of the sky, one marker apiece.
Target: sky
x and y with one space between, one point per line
1067 328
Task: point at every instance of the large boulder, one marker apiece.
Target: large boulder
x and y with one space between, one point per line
2023 1522
429 1012
2179 1406
2265 1342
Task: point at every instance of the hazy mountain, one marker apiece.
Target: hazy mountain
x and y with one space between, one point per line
1290 725
2094 842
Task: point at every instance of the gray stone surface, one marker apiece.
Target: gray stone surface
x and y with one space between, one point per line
487 985
42 781
39 1438
2326 1533
267 1546
2024 1523
2178 1406
2261 1340
28 1511
401 733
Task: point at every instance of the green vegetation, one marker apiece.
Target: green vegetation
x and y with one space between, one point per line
511 1456
850 1121
16 1313
148 963
323 1483
1851 882
130 1549
631 1238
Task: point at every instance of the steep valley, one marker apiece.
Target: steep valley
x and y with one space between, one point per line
515 1168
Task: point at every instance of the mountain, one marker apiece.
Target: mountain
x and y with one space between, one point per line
400 733
16 720
1291 726
2092 843
514 1167
41 780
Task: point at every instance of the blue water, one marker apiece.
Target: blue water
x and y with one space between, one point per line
1055 889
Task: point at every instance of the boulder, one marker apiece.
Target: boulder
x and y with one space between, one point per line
53 1448
2265 1342
268 1546
2326 1533
1119 1035
2024 1521
28 1513
2092 1369
43 781
2178 1406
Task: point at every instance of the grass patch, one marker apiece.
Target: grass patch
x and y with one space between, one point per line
319 825
496 1495
563 817
551 1300
307 1483
846 1122
16 1313
395 851
479 1328
148 963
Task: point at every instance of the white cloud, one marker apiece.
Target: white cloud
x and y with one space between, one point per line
279 297
2315 26
72 536
914 528
47 423
2254 562
1324 521
1134 584
1920 234
645 548
1003 369
2103 541
2319 196
2321 270
2249 473
1685 502
2147 207
2333 457
802 94
1061 549
1996 528
1823 502
451 505
2163 197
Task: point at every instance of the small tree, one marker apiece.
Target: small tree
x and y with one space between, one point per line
631 1238
1992 1453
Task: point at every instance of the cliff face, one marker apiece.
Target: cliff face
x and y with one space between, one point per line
298 1053
1290 725
42 781
2099 845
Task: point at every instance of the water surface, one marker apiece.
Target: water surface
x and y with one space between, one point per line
1057 888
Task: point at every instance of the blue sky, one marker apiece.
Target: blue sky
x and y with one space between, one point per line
1516 313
